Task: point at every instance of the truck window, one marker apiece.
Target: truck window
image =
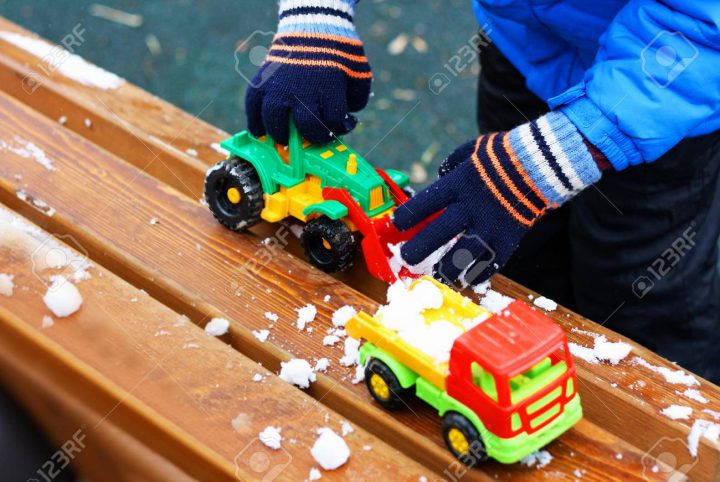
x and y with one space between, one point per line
484 380
537 377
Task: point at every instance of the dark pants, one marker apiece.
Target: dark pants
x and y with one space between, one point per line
638 252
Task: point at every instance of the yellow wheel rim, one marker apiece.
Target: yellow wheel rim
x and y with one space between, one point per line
458 441
234 195
327 245
380 388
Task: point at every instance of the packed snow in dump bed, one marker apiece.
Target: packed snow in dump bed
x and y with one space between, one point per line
423 316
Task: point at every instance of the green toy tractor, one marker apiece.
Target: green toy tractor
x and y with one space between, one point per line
344 202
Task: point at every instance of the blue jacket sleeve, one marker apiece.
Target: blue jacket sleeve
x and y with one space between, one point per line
654 82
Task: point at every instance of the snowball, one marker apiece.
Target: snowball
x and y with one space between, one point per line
341 316
271 437
321 365
494 301
330 449
217 327
352 355
261 335
306 314
545 303
62 297
677 412
315 474
298 372
6 284
671 376
537 459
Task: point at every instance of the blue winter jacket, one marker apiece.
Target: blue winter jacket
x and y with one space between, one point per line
636 77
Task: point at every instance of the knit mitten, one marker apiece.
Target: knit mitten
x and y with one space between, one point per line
315 73
492 191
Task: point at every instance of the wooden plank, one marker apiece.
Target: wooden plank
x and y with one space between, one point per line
127 121
155 256
164 380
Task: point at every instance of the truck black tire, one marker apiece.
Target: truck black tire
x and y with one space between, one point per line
463 440
234 194
329 244
384 386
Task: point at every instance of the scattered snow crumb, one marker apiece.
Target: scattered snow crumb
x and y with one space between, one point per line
6 284
330 449
671 376
298 372
154 221
271 316
494 301
271 437
62 120
330 340
257 377
545 303
677 412
47 321
191 152
261 335
537 459
579 473
346 428
603 350
702 428
343 315
28 150
619 456
306 314
367 448
217 327
327 298
88 123
713 413
352 355
422 478
315 474
62 297
693 394
482 288
321 365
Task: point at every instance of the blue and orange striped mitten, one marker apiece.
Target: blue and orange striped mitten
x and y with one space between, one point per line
493 190
316 73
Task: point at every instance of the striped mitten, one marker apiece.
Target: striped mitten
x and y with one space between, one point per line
493 190
316 73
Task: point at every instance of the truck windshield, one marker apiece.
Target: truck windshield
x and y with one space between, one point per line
539 376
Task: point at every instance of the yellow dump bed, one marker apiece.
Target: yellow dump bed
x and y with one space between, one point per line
456 310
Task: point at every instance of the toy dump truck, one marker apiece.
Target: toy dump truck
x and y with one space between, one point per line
344 202
507 388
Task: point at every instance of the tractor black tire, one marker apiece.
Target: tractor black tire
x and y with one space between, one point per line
234 194
476 452
388 393
329 244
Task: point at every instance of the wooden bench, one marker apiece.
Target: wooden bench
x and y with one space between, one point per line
130 164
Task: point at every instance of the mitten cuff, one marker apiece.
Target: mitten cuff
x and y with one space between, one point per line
554 156
332 18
